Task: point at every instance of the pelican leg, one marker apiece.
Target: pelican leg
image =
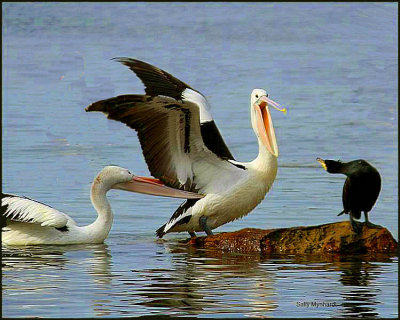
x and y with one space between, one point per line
192 234
203 224
356 226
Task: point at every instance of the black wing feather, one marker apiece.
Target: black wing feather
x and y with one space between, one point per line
133 110
160 82
213 140
156 81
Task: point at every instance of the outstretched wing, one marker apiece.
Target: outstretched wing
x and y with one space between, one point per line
158 82
180 142
22 209
170 136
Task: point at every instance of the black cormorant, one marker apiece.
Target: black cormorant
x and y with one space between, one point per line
361 189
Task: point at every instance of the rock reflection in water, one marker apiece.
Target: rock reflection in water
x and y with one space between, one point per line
359 275
169 277
204 282
212 282
357 297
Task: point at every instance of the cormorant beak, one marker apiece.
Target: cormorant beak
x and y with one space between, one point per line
323 164
155 187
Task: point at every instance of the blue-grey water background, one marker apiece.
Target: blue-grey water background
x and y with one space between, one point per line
334 66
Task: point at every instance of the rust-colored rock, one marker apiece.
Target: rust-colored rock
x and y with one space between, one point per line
245 240
327 238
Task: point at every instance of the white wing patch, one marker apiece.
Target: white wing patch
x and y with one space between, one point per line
172 223
180 160
202 103
26 210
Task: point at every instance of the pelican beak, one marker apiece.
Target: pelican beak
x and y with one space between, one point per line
155 187
322 162
265 127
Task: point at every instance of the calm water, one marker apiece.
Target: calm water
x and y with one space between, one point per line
333 65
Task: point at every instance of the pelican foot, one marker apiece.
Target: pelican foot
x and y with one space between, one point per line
192 234
203 224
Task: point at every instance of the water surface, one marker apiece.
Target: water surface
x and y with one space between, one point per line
333 65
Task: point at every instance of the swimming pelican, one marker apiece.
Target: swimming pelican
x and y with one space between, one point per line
184 149
29 222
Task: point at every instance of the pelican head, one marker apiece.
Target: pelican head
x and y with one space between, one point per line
111 176
261 120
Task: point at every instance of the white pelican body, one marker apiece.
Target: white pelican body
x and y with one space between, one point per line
241 195
30 222
184 149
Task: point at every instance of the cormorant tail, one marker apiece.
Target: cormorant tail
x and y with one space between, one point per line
344 211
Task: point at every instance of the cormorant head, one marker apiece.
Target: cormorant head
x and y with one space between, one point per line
332 166
356 166
348 168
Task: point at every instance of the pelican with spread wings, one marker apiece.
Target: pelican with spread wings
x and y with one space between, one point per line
184 149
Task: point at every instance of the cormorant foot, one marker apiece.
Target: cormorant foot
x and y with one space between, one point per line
372 225
203 224
356 226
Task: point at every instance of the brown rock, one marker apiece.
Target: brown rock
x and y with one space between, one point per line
245 240
327 238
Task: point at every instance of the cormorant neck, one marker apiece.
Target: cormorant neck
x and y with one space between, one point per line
343 168
336 167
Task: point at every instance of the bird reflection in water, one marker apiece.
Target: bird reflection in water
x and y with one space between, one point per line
177 279
93 260
357 275
198 277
